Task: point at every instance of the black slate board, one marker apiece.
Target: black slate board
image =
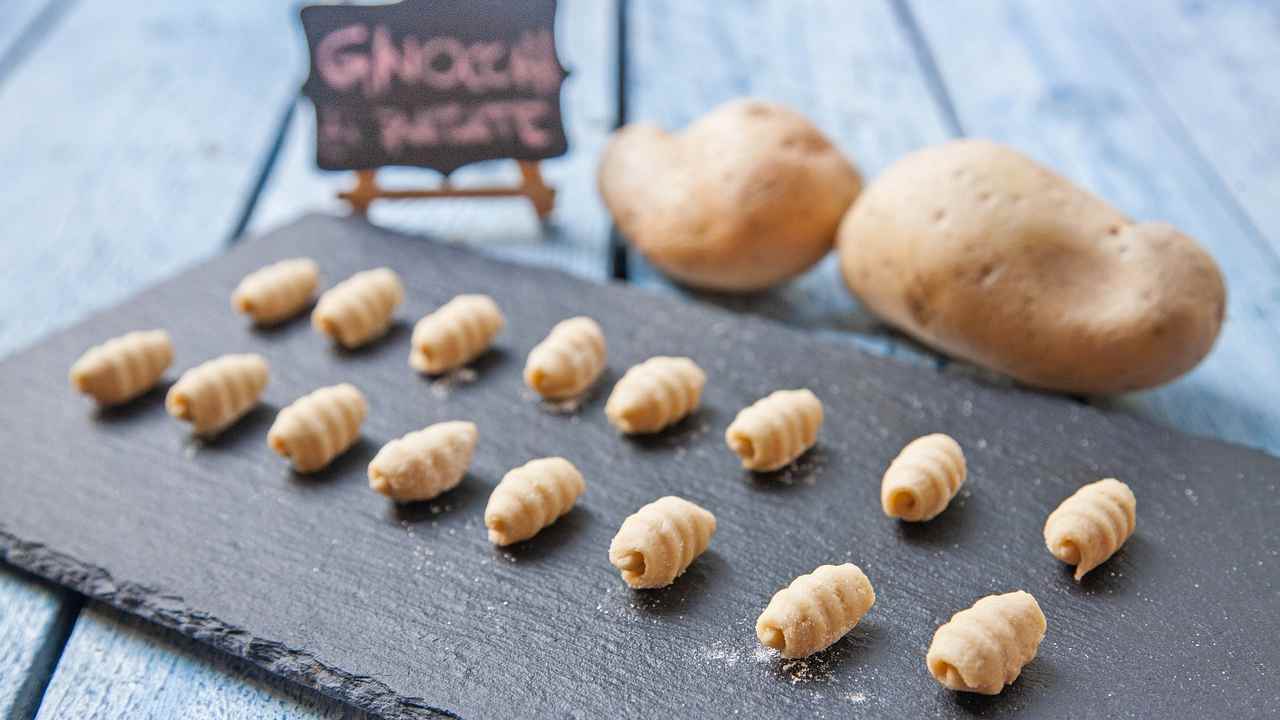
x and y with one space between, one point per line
409 611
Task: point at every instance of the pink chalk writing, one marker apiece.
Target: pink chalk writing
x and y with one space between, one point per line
453 123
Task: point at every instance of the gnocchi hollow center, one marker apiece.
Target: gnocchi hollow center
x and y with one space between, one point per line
459 332
1091 525
657 543
815 610
775 430
655 394
984 648
425 463
319 426
530 498
214 395
359 310
278 291
568 361
923 478
124 367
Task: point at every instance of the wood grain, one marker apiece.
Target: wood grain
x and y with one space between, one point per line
34 620
400 610
577 237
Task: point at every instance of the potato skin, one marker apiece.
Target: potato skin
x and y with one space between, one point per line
747 196
980 252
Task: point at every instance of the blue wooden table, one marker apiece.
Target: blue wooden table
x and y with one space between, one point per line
137 138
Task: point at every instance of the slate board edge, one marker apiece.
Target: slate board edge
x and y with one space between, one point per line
172 612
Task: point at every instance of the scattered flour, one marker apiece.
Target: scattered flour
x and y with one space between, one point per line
441 386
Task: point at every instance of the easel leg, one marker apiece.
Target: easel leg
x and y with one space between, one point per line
361 196
539 193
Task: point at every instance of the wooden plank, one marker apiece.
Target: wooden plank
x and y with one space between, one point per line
1215 68
577 237
847 66
125 667
141 131
1051 81
34 620
405 609
25 24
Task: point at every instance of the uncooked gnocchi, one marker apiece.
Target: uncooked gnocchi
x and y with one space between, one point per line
658 392
921 481
657 544
319 426
530 498
359 310
1091 525
459 332
124 367
424 463
568 361
983 648
815 610
213 395
775 430
278 291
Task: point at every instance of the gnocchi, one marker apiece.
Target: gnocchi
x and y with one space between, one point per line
319 426
124 367
923 478
815 610
1091 525
984 648
425 463
568 361
359 310
459 332
776 430
530 498
657 393
660 541
212 396
278 291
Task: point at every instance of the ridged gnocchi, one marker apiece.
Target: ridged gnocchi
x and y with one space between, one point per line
215 394
123 367
815 610
984 648
775 430
359 310
424 463
278 291
530 498
568 361
319 426
660 541
1091 525
658 392
454 335
923 478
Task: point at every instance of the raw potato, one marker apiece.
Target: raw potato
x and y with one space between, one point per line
747 196
980 252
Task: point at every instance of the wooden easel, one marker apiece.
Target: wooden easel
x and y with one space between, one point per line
532 186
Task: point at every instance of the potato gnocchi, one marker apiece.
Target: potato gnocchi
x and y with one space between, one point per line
425 463
359 310
1091 525
815 610
655 394
214 395
530 498
660 541
775 430
984 648
278 291
124 367
568 361
923 478
319 426
459 332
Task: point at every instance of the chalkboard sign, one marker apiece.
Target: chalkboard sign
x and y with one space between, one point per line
434 83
